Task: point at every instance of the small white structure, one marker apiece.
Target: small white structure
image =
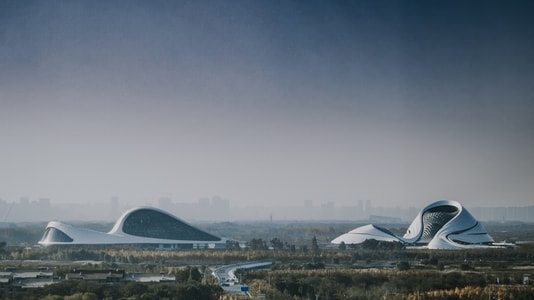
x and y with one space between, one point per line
363 233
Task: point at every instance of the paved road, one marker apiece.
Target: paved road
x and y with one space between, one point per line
229 281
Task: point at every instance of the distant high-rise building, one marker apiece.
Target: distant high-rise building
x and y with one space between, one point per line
327 210
204 202
114 212
220 204
44 202
165 203
368 206
24 201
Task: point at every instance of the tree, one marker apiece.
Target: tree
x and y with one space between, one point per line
370 244
315 246
403 265
134 288
188 273
277 244
194 274
257 244
232 245
2 248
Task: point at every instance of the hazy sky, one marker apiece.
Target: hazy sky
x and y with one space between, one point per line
397 102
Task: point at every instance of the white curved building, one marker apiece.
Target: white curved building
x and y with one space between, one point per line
363 233
440 225
140 225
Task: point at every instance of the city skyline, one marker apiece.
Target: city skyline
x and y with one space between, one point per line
268 103
220 209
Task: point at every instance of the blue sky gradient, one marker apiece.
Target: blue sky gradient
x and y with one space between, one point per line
268 102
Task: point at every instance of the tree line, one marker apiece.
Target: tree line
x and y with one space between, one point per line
79 289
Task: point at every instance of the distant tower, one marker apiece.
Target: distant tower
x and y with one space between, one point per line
24 201
114 211
204 203
368 206
44 203
328 210
165 203
220 204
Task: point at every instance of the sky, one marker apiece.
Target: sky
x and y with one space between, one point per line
401 103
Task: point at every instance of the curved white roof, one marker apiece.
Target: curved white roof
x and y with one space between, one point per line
146 225
363 233
441 225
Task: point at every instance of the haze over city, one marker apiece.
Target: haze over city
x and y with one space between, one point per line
268 103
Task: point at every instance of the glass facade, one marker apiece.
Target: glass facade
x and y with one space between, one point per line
154 224
55 235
